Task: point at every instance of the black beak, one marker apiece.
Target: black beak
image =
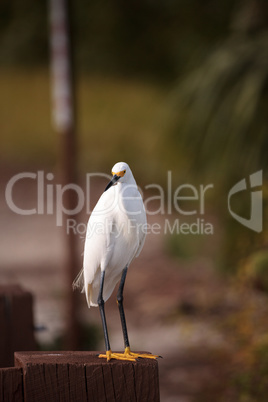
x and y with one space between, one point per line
114 180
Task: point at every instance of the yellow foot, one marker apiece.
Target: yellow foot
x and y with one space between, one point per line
127 355
118 356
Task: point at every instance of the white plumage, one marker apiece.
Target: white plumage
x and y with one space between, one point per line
115 235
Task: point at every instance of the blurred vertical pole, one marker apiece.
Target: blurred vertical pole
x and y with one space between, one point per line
64 120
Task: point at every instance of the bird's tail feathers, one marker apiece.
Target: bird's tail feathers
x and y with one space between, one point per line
78 283
92 294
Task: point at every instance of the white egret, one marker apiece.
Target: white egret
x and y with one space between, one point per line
115 235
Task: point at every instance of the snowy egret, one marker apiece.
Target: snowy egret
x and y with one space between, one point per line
115 235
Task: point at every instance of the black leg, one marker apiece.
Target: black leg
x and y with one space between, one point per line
102 313
120 305
127 355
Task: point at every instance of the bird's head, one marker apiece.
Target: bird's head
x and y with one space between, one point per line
121 172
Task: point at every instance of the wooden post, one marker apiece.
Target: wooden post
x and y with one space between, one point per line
62 78
11 385
16 323
82 376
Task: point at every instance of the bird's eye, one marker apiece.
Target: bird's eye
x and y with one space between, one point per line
124 171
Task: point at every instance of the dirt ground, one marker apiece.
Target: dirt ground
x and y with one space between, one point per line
172 307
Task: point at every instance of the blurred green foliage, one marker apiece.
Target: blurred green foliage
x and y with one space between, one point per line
218 121
141 38
248 334
219 117
23 32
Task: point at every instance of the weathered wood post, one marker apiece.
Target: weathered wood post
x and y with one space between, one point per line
16 323
11 384
62 82
83 377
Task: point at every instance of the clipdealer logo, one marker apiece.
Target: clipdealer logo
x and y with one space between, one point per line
255 222
185 200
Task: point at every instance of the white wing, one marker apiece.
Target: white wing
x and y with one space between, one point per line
98 245
115 235
136 213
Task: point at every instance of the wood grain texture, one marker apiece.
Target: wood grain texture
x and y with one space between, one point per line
82 376
11 387
16 323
